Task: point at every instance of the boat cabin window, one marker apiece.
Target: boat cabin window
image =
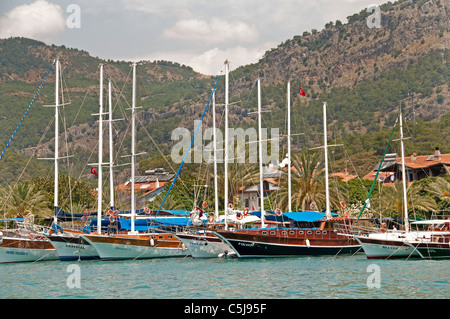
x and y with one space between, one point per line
309 232
301 232
284 232
292 232
317 232
264 232
272 233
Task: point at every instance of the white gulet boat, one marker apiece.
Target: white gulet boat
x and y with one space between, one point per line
202 242
134 245
403 244
68 243
27 243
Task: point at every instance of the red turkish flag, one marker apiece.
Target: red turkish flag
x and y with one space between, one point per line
93 171
302 93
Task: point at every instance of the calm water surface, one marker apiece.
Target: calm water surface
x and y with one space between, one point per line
178 278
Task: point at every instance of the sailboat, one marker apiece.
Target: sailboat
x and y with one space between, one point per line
408 243
201 241
134 244
27 243
308 233
69 244
434 243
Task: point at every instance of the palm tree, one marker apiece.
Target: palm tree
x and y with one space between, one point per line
392 200
24 198
240 176
440 188
308 186
171 202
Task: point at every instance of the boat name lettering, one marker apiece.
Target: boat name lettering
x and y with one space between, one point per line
193 243
121 248
246 244
11 252
75 246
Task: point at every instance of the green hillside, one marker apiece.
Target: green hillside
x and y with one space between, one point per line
363 74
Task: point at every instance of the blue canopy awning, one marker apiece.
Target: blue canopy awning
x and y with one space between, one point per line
307 216
144 224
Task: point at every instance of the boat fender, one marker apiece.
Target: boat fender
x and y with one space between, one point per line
152 242
57 228
183 247
308 244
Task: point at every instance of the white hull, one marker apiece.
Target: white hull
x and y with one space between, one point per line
115 251
201 246
14 254
70 248
383 246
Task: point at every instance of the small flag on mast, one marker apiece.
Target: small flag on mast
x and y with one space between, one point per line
93 171
302 93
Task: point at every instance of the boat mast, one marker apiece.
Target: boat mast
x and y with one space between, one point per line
216 196
327 192
226 146
289 144
404 179
111 160
55 201
133 124
100 155
261 184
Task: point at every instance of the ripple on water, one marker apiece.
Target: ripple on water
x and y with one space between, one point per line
295 278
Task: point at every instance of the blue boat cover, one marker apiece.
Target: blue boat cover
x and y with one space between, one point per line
144 224
307 216
140 211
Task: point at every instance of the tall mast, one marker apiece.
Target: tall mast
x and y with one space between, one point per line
55 201
405 176
325 143
261 184
216 196
289 144
100 155
226 146
111 159
133 146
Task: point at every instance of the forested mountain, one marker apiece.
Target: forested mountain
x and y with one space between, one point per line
363 73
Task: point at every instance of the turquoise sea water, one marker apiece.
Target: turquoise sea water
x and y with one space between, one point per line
341 277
